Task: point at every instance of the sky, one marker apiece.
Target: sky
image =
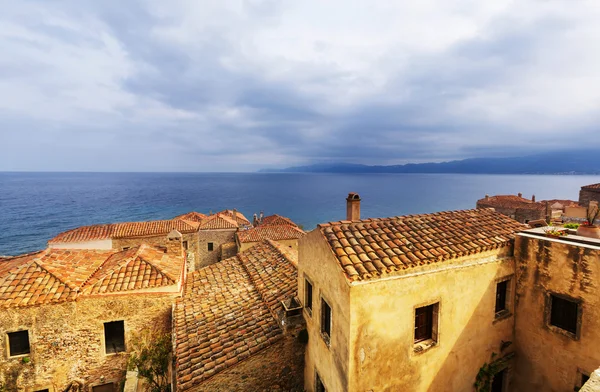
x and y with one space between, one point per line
199 85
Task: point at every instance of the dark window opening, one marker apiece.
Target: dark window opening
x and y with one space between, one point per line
424 323
498 381
210 246
325 319
125 248
319 387
114 337
501 296
43 390
308 296
18 343
110 387
563 314
185 245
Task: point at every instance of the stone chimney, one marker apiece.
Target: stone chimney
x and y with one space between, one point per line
520 194
174 243
255 220
533 198
261 216
353 207
487 197
234 215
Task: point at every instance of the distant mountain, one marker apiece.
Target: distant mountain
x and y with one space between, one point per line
567 162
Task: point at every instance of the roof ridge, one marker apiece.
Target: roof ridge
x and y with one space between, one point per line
18 268
158 270
86 282
72 288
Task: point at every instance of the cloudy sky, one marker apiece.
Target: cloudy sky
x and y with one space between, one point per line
206 85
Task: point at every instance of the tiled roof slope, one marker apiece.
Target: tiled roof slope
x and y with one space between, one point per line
275 219
371 248
123 230
218 221
278 232
592 186
239 217
192 216
503 201
227 312
58 275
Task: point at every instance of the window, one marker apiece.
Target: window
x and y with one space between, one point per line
43 390
110 387
325 321
210 246
185 245
501 289
319 387
125 247
114 337
308 294
564 313
498 381
423 323
18 343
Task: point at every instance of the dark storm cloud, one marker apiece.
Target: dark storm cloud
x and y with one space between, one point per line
255 84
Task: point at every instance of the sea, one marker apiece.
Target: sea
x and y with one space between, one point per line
35 207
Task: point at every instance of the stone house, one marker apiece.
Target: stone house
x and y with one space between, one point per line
526 210
232 331
557 328
274 227
68 314
589 193
216 239
406 303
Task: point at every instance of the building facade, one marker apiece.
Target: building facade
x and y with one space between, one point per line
589 193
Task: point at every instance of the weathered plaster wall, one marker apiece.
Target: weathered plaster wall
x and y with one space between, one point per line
67 340
293 244
383 356
316 261
218 238
548 360
277 368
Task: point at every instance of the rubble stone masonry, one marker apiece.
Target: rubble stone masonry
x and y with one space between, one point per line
67 340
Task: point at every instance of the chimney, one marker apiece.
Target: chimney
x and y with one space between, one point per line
533 198
234 215
261 216
174 243
255 220
520 194
487 197
353 207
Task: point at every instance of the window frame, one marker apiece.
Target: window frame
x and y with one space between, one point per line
326 336
309 306
103 383
421 345
508 295
106 352
558 329
8 350
210 246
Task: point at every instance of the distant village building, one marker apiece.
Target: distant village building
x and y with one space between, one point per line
525 210
68 314
236 327
275 227
589 193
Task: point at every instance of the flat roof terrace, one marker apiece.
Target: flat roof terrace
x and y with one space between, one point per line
570 239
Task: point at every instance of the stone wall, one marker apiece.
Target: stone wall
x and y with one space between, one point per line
218 238
548 357
191 238
277 368
587 195
67 340
525 215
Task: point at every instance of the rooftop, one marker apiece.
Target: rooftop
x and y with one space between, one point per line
503 201
218 221
229 311
372 248
239 217
273 220
276 233
591 187
192 216
58 275
123 230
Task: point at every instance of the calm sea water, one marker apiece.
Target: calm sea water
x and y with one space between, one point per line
34 207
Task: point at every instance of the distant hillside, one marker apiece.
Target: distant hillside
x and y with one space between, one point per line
572 162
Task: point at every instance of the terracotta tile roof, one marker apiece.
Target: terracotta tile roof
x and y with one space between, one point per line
123 230
239 217
563 202
368 249
218 221
503 201
227 312
591 187
57 275
275 219
278 232
192 216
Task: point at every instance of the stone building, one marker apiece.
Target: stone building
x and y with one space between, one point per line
589 193
274 227
526 210
232 330
557 328
216 239
68 314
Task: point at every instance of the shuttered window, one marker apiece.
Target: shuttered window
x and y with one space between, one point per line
423 323
563 313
